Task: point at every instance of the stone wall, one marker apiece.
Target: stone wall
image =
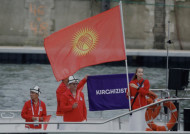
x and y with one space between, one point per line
179 27
159 25
28 22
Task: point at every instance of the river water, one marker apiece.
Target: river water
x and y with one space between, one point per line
16 80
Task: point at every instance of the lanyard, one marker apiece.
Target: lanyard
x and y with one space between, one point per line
138 84
33 109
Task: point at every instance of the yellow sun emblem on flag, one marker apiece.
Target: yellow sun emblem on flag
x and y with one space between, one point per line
84 41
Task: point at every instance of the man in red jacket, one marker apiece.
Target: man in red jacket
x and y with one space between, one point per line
73 102
34 110
59 94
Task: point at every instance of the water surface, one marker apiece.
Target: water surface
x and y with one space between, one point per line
16 80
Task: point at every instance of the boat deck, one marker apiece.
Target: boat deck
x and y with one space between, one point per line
87 127
13 123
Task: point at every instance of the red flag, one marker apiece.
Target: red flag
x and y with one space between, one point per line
46 119
92 41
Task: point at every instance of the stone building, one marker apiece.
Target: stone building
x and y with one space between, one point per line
148 24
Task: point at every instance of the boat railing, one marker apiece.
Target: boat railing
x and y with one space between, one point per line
100 122
9 114
162 91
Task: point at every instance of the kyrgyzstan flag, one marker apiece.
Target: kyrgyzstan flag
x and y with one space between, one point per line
92 41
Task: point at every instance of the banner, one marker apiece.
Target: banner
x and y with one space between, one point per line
108 92
92 41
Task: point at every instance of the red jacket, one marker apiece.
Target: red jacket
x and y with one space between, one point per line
27 113
59 94
143 91
81 83
78 114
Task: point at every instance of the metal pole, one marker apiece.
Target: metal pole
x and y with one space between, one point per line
178 124
121 12
168 42
167 66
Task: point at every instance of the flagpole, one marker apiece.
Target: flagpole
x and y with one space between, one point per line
126 66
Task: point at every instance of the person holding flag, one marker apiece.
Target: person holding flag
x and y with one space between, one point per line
139 89
73 102
59 94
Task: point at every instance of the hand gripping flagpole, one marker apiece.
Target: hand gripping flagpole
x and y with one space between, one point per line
121 13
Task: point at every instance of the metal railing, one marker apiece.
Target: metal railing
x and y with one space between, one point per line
11 114
102 122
